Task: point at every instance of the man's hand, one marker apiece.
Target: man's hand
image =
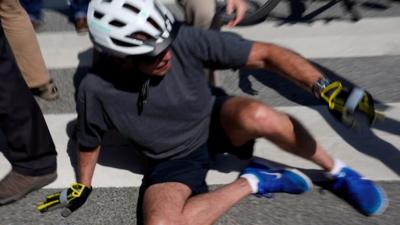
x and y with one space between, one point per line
70 199
348 104
237 6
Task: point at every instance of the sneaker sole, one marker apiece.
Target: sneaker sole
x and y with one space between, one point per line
384 204
34 188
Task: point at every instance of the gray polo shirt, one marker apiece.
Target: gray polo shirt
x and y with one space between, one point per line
174 119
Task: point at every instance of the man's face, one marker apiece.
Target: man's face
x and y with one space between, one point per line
158 65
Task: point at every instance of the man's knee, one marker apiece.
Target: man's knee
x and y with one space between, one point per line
164 220
262 119
163 203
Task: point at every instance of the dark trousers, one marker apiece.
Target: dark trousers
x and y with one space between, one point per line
33 8
30 148
79 8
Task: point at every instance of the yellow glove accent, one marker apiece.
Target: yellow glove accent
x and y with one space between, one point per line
61 198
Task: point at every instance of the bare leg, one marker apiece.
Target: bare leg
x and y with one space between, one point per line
244 119
170 203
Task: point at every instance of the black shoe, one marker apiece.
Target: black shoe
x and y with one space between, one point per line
15 185
81 25
47 91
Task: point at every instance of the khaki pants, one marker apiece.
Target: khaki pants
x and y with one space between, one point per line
198 13
22 39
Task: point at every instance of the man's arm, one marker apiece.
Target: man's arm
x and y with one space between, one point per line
343 101
284 61
75 196
87 163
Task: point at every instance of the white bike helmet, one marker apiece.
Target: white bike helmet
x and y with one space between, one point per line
131 27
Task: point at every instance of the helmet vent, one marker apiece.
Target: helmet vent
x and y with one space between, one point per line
98 15
154 23
142 36
117 23
109 1
122 43
131 8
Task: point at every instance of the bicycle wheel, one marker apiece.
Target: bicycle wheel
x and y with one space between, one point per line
258 11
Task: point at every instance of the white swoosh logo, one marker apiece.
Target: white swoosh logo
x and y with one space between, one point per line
276 175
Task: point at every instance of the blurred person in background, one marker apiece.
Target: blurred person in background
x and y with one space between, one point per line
30 148
79 10
201 13
26 49
34 10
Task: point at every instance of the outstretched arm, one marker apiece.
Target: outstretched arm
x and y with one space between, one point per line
285 62
343 101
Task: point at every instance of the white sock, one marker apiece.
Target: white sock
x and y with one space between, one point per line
337 167
253 181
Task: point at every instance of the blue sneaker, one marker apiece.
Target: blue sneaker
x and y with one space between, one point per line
361 193
289 181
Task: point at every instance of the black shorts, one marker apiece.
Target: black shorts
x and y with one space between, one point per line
192 169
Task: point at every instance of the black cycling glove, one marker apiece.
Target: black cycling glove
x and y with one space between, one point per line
348 104
70 199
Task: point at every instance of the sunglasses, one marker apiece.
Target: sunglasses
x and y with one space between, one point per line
153 59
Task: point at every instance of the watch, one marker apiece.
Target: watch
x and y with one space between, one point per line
320 85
